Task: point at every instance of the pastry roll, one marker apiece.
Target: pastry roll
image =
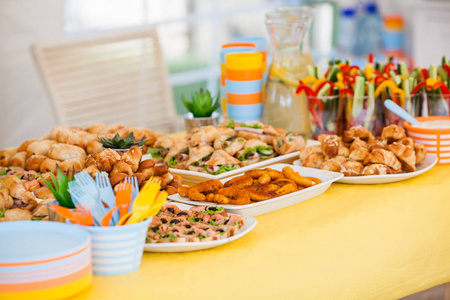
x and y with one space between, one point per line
25 145
40 147
106 160
381 156
377 143
359 154
314 160
92 170
330 145
70 164
343 151
405 155
94 146
288 144
96 128
111 129
332 165
421 153
121 167
49 165
19 159
305 152
358 143
6 201
40 210
34 162
65 152
5 156
352 168
221 162
17 190
407 142
393 133
138 133
44 193
32 185
72 136
198 156
378 169
357 132
133 157
92 159
16 214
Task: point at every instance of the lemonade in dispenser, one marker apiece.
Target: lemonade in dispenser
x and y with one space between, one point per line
288 30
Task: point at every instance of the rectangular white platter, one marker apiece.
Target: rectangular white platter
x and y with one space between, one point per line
250 223
196 177
267 206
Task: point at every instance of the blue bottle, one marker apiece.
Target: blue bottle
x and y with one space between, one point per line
369 31
347 32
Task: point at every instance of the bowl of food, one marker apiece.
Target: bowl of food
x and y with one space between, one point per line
434 133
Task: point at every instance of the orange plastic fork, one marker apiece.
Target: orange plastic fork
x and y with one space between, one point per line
106 221
81 215
123 198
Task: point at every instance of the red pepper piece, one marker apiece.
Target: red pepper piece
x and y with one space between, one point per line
447 69
346 91
316 109
443 87
306 89
387 67
418 86
323 84
379 79
425 74
345 69
371 57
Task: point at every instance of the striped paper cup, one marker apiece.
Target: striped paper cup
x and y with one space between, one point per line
245 113
117 249
43 260
437 141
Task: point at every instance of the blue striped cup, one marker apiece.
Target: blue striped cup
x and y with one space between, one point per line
245 113
117 249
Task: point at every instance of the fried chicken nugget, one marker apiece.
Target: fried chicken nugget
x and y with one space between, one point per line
233 195
240 182
183 191
289 173
256 195
274 174
197 191
283 181
286 189
264 179
255 174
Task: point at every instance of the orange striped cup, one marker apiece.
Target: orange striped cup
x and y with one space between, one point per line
437 141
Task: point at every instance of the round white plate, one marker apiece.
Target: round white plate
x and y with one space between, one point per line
250 223
430 161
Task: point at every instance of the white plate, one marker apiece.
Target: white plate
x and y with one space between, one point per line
267 206
428 163
250 223
196 177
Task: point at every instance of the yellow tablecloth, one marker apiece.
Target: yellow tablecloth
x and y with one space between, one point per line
353 242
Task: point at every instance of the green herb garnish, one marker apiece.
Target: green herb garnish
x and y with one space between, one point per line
211 222
156 152
37 218
2 212
60 186
222 169
118 143
231 124
202 104
172 162
255 126
3 171
149 239
191 219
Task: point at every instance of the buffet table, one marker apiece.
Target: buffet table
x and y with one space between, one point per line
353 242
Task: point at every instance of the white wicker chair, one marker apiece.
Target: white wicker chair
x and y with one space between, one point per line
119 78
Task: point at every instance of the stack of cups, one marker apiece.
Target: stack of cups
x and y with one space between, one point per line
228 48
243 81
261 47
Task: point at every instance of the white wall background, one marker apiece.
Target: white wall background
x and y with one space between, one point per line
26 111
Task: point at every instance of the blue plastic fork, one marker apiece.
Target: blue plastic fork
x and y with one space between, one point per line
82 197
134 190
107 193
85 181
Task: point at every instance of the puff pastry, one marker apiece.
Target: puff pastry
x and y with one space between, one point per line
66 152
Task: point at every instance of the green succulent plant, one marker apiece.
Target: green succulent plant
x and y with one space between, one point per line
60 187
202 104
118 143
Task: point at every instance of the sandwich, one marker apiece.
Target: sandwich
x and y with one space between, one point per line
253 151
230 144
198 157
288 144
221 162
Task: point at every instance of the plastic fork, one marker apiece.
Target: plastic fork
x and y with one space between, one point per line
85 181
83 198
81 215
123 198
105 189
144 201
106 221
160 200
134 189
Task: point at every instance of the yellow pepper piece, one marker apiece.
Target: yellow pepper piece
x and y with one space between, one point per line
340 77
310 80
342 64
387 83
369 70
339 85
401 94
430 83
318 82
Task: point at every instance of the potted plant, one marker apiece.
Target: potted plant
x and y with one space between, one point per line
119 144
201 110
